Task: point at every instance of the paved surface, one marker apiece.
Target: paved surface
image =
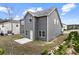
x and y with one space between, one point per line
23 40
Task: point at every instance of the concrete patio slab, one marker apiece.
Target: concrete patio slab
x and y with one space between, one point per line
23 40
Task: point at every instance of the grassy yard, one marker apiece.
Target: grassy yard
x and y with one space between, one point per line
34 47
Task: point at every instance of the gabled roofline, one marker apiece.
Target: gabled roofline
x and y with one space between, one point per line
38 11
27 13
59 17
53 9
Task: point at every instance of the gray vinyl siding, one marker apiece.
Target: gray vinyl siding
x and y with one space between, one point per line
28 25
36 29
41 24
22 27
53 30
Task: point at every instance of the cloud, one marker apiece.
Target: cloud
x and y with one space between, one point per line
5 9
39 9
33 10
71 21
67 7
17 17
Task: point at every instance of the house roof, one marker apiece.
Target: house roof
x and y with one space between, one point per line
15 21
42 13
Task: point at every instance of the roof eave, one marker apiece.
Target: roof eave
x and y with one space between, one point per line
51 11
27 13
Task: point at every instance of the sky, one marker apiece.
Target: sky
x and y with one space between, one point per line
68 11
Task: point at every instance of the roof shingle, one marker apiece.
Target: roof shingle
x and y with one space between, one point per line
42 13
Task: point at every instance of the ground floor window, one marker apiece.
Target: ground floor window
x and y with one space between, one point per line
39 33
9 32
26 32
42 33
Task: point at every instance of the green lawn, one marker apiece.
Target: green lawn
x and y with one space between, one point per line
34 47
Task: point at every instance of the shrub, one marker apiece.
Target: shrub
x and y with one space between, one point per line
74 36
72 39
45 52
1 51
76 47
60 51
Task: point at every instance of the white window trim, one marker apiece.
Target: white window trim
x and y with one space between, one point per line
55 21
41 34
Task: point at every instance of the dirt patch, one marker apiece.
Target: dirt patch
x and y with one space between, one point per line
35 47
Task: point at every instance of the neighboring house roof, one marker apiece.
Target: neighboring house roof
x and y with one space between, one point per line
1 21
64 24
13 21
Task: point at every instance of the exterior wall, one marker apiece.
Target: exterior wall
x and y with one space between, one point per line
16 30
41 25
22 27
29 26
53 26
50 24
7 27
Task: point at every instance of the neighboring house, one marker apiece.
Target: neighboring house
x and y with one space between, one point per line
43 25
73 26
8 27
64 27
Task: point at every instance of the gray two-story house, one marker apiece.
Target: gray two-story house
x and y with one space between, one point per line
41 25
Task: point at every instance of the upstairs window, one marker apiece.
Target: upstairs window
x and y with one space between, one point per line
57 22
17 25
54 21
2 25
30 20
